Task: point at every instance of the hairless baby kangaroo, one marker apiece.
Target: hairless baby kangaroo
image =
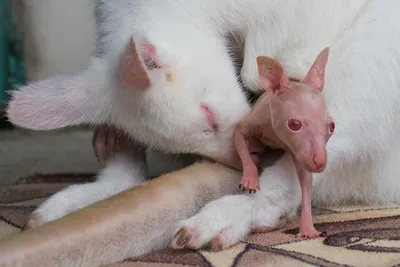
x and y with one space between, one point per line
290 116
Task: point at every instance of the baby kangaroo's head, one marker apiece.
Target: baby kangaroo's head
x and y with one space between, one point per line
298 111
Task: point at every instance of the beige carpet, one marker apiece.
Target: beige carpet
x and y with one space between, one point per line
368 236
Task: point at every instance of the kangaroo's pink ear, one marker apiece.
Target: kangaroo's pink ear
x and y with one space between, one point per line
316 75
271 74
136 60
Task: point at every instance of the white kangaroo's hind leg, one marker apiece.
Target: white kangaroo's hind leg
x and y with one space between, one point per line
227 218
127 170
224 222
279 196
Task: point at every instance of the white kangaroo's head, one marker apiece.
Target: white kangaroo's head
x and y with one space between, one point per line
170 103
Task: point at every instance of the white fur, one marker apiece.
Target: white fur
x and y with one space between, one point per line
361 90
128 170
277 201
362 96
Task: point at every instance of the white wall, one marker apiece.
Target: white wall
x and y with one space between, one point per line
58 35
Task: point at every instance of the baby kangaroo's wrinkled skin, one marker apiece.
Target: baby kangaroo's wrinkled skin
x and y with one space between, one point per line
290 116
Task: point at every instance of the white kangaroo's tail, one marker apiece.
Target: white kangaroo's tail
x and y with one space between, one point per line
132 223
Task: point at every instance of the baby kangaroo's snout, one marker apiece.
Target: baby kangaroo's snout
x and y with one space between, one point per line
319 161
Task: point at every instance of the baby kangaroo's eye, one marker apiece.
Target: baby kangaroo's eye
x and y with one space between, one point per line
332 127
294 125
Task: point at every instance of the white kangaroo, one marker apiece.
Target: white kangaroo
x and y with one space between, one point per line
165 77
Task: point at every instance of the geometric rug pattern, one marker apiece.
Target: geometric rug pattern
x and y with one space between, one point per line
356 236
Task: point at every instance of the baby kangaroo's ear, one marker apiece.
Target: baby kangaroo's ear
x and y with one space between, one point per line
271 74
316 75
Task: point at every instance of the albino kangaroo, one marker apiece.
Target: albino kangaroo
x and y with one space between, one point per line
290 116
165 77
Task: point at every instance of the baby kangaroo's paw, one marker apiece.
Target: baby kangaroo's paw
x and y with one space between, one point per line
249 183
310 233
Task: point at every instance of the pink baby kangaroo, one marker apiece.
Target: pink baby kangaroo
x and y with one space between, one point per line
290 116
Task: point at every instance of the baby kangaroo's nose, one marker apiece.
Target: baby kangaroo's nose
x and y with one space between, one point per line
320 162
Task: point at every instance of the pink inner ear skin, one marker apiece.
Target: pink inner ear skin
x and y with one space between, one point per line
149 56
272 75
149 51
316 75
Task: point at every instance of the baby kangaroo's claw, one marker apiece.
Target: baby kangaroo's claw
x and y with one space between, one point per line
250 184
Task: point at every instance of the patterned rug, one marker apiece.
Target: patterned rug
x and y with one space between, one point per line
367 236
